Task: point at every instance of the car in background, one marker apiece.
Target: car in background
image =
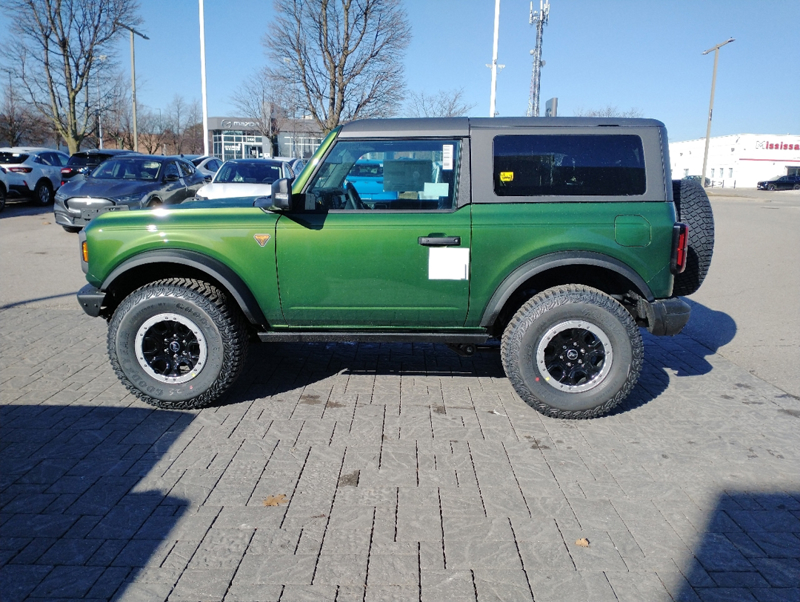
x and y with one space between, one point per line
367 178
85 161
297 165
33 172
3 188
245 177
207 165
123 183
780 183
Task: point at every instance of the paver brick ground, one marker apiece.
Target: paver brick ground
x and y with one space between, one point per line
388 472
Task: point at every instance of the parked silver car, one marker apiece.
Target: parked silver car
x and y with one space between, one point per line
33 172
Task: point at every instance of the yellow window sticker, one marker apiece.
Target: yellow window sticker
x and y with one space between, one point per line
506 176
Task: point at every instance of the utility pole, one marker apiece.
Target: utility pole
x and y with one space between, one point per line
711 106
539 20
133 81
494 66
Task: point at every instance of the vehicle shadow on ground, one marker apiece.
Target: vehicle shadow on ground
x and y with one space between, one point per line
73 525
17 207
277 368
750 549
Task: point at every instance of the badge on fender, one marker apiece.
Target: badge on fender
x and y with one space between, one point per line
262 239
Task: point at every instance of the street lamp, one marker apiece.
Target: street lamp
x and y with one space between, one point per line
133 80
711 105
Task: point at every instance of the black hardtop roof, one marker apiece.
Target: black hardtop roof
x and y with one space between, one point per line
461 126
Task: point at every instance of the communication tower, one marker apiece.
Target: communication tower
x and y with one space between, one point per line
538 19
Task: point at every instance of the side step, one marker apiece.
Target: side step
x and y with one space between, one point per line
273 336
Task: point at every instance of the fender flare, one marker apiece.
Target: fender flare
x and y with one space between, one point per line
229 279
555 260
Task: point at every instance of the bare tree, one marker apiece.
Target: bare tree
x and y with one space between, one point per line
608 111
344 55
18 123
445 103
265 103
56 53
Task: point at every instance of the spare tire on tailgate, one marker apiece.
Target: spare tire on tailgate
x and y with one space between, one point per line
694 209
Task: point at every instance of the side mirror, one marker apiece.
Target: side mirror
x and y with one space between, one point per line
282 194
171 177
207 179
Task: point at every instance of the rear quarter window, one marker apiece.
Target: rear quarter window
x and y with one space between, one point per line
568 165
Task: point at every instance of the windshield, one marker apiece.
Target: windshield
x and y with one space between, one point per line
128 169
248 172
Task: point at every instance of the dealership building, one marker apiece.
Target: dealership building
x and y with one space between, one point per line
738 161
239 138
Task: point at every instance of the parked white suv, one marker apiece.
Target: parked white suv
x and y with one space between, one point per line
33 172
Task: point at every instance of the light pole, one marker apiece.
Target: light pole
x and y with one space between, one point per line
133 80
711 106
203 76
494 66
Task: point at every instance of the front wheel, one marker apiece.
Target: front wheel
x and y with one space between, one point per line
177 343
771 187
572 352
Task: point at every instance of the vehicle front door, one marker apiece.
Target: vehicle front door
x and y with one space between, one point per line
192 177
389 263
173 188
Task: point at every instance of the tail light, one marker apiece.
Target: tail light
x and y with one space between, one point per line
66 170
21 169
680 248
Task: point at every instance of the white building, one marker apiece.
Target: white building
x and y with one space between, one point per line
739 161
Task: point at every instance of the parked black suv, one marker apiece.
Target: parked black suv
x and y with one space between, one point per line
84 161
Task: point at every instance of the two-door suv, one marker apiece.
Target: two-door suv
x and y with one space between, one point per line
559 237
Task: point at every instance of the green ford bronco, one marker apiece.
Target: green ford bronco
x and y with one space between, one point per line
557 237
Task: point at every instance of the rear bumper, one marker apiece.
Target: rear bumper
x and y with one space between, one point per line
667 317
91 300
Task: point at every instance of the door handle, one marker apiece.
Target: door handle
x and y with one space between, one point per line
439 241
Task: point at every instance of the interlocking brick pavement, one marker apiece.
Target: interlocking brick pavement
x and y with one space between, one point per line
388 472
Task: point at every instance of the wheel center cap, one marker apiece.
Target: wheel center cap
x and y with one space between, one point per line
572 354
174 346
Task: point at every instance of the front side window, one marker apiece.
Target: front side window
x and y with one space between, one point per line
569 165
394 175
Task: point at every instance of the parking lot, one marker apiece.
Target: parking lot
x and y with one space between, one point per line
404 472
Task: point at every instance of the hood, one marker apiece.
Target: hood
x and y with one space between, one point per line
234 189
107 189
215 203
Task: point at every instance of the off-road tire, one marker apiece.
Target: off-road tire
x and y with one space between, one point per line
218 322
558 308
43 192
694 209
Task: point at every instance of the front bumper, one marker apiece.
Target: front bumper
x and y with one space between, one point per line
666 317
91 300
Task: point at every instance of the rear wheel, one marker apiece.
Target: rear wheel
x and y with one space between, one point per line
177 343
43 193
2 197
72 229
572 352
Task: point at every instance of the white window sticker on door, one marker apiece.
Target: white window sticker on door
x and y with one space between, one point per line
448 264
447 156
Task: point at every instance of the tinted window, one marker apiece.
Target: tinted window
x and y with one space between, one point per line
127 169
576 165
12 158
411 175
186 169
249 172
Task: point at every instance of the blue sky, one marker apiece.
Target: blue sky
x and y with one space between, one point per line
642 54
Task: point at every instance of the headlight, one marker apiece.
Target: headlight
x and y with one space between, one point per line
128 199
